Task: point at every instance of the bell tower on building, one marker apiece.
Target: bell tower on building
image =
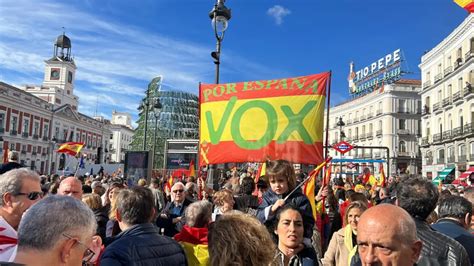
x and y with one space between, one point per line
60 72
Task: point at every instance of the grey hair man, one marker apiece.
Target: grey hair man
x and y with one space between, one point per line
171 218
19 189
419 197
71 186
455 215
386 235
43 239
12 163
140 241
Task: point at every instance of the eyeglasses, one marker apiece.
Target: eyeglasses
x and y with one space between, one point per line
178 190
88 253
32 195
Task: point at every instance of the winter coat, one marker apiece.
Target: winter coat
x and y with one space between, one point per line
456 231
338 251
439 249
297 199
142 245
306 257
165 219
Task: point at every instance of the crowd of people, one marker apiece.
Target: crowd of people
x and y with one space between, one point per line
100 220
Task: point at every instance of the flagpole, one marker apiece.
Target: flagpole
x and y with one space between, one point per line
326 154
309 176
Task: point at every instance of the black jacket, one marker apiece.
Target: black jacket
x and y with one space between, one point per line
9 166
456 231
142 245
439 249
297 199
165 219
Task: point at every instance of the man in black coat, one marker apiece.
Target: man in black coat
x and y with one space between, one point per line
171 219
140 242
12 163
419 197
455 214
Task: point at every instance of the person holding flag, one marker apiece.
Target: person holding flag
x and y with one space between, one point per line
282 179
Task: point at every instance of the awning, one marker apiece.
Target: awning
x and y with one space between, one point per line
467 173
460 182
338 160
442 175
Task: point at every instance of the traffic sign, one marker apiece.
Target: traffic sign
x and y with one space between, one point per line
343 147
351 165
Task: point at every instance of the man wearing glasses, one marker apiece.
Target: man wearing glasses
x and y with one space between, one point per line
171 218
46 239
19 190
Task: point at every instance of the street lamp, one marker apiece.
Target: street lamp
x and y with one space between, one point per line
341 124
220 16
53 143
156 112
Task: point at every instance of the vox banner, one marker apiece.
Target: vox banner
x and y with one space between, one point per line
255 120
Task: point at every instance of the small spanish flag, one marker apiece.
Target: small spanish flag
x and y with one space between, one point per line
308 190
71 148
192 170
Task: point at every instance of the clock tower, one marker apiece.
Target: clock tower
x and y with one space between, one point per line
60 73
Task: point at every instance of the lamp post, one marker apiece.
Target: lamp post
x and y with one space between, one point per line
341 124
53 143
220 16
156 112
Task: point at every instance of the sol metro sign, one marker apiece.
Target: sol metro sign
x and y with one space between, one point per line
343 147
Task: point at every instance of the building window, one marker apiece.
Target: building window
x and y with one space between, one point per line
462 150
402 124
26 125
56 133
2 121
402 147
448 62
460 84
46 130
36 128
441 156
69 77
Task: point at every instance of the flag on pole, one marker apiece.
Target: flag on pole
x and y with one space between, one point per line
327 174
308 190
71 148
192 170
253 120
382 176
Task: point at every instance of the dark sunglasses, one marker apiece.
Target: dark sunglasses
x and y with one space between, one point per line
178 190
88 253
32 195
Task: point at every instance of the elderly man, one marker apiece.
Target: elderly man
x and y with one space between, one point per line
419 197
171 218
455 214
56 231
386 235
71 186
19 189
12 163
140 242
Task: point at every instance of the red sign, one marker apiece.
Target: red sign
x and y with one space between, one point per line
351 165
343 147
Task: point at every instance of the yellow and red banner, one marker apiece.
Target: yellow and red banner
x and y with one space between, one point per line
71 148
466 4
255 120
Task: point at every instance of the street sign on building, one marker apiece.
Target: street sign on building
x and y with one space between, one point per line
343 147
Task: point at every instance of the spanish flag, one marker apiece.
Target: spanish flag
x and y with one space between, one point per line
71 148
192 170
309 191
382 176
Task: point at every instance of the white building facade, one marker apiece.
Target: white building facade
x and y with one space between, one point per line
121 136
447 97
388 117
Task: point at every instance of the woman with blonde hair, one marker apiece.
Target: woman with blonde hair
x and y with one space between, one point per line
95 204
223 203
239 239
343 244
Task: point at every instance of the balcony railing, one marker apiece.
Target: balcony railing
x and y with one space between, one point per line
446 101
446 135
2 130
448 70
424 141
35 136
356 138
33 153
403 154
437 137
457 132
438 77
403 131
462 158
451 159
468 55
426 110
458 63
426 84
23 151
402 110
378 133
467 90
370 135
370 115
468 129
45 138
378 112
436 107
24 134
13 132
362 136
456 96
362 117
